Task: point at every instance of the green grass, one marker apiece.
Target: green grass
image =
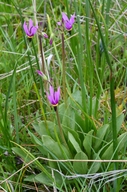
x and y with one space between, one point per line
92 112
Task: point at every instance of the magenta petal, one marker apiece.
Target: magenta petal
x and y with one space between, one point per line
25 28
49 98
72 19
64 17
39 72
68 26
45 35
33 30
30 24
57 95
51 90
52 96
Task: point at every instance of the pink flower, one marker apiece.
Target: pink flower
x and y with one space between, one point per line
30 29
53 96
68 23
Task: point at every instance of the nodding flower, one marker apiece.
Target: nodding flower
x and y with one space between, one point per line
42 74
53 96
68 23
30 29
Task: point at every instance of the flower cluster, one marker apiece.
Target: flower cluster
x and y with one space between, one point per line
30 30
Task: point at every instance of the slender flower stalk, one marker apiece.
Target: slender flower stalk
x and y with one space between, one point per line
60 128
64 70
30 29
42 54
54 97
68 24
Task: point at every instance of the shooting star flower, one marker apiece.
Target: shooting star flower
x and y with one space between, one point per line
30 29
53 96
68 23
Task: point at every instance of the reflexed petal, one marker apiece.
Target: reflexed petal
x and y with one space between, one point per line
51 90
25 28
64 17
33 30
30 24
57 95
72 19
49 98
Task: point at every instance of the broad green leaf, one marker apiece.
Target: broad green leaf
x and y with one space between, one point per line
68 116
77 96
122 139
80 122
119 122
74 133
60 151
87 143
74 142
80 167
45 128
38 143
95 165
101 132
30 178
35 139
26 157
43 179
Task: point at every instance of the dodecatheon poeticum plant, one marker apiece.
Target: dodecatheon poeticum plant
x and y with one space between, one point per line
53 96
30 29
68 23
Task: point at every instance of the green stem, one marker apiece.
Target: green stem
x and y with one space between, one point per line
64 71
113 108
15 109
42 55
60 127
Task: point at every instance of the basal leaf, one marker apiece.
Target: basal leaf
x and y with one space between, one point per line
80 167
122 139
87 143
60 151
101 132
95 165
74 142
